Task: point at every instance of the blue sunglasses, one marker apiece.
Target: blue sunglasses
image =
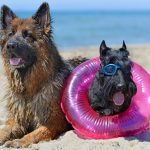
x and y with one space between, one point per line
110 69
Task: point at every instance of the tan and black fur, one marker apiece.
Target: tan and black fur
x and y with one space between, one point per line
33 91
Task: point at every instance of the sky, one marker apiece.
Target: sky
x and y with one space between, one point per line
60 5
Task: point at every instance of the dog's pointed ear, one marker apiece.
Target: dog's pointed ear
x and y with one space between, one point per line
6 18
124 45
103 49
42 16
124 48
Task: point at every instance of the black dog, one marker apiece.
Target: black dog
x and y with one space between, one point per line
112 88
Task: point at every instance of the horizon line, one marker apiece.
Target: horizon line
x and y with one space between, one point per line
86 10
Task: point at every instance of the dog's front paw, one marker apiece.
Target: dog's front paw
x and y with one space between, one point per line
2 141
18 143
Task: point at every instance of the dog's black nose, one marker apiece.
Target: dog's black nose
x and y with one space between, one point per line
120 86
11 46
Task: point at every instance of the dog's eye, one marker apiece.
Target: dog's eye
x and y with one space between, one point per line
28 35
24 34
11 33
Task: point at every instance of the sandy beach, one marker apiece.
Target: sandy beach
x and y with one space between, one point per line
138 52
69 140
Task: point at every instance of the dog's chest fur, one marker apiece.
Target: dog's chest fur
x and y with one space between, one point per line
35 110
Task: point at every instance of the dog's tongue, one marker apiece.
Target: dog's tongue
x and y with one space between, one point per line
15 61
118 98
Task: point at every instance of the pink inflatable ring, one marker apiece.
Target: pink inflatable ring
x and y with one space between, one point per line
90 125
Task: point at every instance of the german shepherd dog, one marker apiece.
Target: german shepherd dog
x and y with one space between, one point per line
35 73
113 87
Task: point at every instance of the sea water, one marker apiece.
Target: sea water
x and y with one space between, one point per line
89 28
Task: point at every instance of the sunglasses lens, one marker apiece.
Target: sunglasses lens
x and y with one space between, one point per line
110 69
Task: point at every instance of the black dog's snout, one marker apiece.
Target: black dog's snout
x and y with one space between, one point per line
11 46
120 86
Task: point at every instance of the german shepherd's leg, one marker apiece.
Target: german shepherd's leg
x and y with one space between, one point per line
11 131
43 133
40 134
55 125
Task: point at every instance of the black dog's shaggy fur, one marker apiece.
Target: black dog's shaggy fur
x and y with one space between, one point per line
104 87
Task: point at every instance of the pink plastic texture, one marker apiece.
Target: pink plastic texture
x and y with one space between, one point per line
87 123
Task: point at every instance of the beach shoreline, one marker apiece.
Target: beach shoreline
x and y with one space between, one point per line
138 52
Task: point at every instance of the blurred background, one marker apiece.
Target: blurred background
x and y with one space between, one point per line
79 26
80 23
